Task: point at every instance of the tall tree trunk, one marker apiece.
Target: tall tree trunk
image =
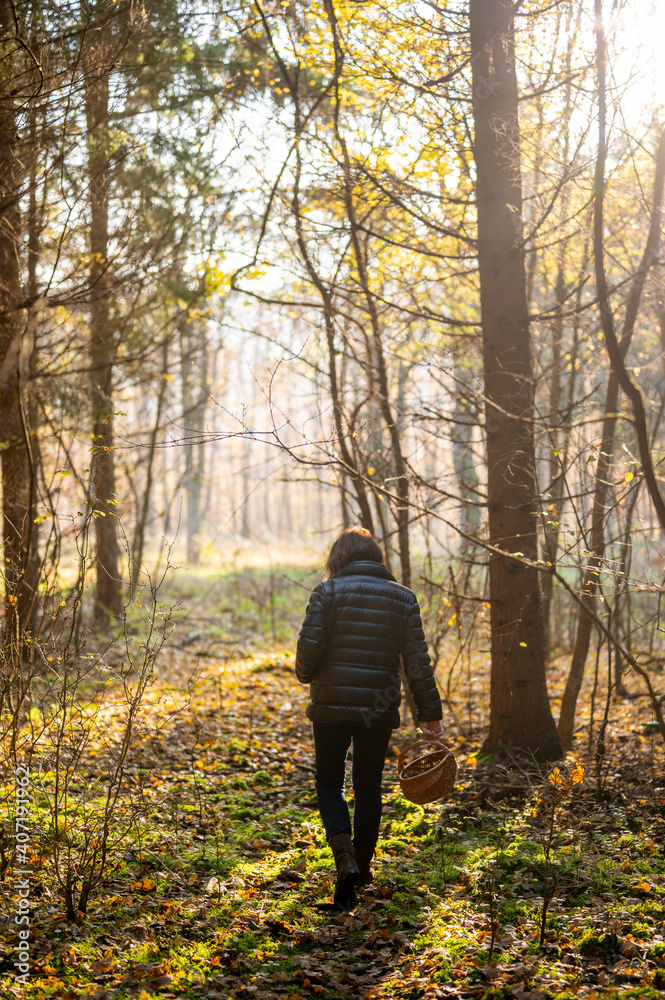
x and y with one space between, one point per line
617 349
28 370
520 715
194 378
17 468
108 595
555 460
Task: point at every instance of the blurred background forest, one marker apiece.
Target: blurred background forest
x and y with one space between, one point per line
242 271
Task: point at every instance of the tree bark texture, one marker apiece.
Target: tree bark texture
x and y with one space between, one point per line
17 467
28 370
520 715
108 594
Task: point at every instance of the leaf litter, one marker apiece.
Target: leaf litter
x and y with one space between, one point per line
527 883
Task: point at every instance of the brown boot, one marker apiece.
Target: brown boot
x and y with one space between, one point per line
347 870
363 856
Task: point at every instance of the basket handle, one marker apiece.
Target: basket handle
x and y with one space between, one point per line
419 743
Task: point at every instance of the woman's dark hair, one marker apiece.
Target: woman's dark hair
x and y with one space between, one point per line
354 543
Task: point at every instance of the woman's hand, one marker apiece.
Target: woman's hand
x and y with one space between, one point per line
431 730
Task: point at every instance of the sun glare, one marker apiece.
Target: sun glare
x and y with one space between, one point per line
638 64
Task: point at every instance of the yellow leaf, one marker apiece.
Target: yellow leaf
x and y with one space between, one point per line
145 885
577 773
556 778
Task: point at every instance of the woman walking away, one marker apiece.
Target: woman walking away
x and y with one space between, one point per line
358 623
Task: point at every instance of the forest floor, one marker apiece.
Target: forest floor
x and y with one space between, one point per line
525 883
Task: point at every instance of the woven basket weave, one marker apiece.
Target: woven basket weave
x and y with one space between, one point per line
430 776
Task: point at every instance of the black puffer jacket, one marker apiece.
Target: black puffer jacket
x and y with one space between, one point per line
357 625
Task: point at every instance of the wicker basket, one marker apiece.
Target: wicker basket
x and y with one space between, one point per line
430 776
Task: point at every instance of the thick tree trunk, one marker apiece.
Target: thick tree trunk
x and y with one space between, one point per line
17 467
108 594
520 715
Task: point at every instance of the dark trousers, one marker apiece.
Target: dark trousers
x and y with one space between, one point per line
331 743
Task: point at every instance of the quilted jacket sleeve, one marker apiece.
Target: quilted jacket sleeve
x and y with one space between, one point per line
418 668
311 646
